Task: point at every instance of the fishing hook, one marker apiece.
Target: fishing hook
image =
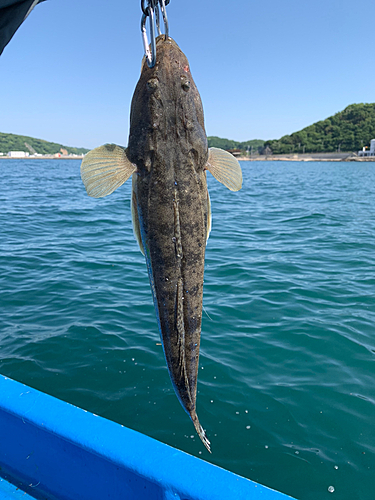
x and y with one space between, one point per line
150 10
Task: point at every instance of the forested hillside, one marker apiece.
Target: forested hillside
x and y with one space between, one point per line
13 142
218 142
348 130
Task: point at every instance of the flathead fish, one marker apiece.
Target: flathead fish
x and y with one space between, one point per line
168 156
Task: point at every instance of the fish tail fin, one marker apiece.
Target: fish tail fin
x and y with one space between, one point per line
200 431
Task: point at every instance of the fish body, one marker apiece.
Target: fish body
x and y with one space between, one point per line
171 200
168 157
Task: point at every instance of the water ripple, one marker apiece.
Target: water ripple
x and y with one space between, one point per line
285 388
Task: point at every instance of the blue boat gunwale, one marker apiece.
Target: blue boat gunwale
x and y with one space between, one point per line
57 450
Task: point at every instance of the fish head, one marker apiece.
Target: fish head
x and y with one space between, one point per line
166 106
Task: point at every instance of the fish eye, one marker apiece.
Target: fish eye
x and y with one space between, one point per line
194 155
185 83
152 84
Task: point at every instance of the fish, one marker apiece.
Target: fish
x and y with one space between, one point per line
168 158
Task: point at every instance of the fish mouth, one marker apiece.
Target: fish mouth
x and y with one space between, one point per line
163 39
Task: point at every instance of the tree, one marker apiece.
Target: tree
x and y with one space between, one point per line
350 129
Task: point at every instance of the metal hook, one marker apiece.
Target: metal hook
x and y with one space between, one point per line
165 18
150 56
157 19
149 11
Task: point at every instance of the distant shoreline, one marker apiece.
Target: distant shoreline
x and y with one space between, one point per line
80 157
335 157
331 157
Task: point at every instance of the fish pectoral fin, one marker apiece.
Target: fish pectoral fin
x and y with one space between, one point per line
225 168
104 169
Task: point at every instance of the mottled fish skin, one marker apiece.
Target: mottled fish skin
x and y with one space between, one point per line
168 144
168 158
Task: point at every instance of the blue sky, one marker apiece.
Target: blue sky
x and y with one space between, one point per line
264 69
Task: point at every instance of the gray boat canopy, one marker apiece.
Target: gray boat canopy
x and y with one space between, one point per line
12 15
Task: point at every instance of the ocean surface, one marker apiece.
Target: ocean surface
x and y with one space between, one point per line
286 388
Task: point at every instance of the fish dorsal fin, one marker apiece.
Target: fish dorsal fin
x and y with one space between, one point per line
225 168
104 169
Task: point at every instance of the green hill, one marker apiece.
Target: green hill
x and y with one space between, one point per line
13 142
218 142
348 130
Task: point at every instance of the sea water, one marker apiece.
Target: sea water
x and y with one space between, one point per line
286 387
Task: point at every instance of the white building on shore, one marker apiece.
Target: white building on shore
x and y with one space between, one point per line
370 152
18 154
